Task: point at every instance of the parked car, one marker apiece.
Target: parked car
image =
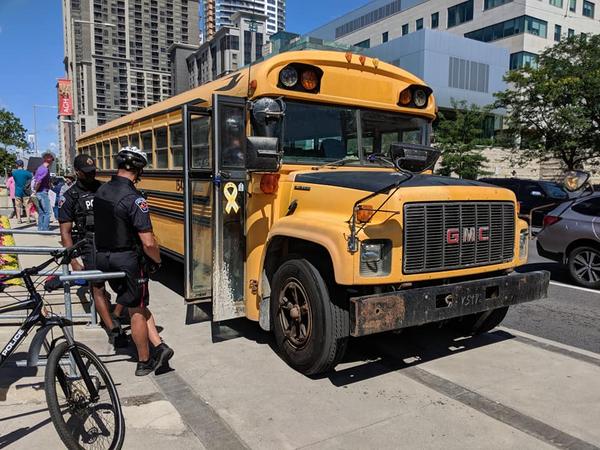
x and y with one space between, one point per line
533 194
571 236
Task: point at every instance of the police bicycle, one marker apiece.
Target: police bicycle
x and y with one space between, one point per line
82 398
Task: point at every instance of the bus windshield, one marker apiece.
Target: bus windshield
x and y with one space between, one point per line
321 134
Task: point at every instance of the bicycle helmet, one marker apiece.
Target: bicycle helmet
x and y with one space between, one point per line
131 158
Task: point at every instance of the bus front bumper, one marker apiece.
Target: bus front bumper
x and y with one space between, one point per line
392 311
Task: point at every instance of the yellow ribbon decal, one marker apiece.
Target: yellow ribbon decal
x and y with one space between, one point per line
230 191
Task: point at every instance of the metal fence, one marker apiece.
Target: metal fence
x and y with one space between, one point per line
66 276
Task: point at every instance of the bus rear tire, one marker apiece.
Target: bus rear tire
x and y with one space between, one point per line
479 323
311 328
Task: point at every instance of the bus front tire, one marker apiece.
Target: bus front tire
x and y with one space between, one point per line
311 328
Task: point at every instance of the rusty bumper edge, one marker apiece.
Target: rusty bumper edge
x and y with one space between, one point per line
392 311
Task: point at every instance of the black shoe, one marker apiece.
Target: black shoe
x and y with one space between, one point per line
163 353
144 368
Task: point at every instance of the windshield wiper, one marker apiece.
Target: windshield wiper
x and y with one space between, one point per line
339 162
381 157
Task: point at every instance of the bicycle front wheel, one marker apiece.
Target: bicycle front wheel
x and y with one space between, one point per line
81 421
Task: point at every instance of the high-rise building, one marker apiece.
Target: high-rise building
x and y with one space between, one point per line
116 53
218 14
524 27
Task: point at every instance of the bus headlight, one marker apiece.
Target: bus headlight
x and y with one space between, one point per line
420 98
375 257
523 241
288 77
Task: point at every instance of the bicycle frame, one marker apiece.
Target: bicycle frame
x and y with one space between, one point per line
35 303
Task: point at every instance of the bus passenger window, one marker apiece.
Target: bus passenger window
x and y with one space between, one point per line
147 147
176 132
232 133
123 142
134 140
98 155
160 136
114 144
201 157
106 155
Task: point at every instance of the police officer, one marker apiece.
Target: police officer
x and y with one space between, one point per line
125 242
76 218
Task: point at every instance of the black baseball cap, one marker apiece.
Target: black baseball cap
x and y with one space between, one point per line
84 163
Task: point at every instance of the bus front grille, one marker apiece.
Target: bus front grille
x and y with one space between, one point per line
456 235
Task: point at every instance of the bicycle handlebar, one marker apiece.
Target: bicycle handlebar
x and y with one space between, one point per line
63 256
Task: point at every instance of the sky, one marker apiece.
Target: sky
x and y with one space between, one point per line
31 54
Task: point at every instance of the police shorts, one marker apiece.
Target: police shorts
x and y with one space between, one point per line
132 291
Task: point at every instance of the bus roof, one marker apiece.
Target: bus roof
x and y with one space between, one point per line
364 81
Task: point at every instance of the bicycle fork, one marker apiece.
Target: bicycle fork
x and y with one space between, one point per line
78 360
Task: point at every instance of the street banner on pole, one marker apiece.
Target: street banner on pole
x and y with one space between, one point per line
65 97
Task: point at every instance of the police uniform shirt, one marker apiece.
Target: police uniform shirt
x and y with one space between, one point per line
67 203
121 212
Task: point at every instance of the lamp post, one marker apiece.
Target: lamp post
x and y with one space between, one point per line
35 137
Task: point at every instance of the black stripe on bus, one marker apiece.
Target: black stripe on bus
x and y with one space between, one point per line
171 254
156 173
165 194
166 213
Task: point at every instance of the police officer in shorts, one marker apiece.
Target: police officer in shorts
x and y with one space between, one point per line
76 218
125 242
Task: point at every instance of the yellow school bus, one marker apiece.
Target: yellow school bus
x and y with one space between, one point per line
298 193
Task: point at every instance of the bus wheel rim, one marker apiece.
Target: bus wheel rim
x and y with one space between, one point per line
295 315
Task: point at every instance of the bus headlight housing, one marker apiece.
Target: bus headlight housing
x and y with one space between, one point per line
375 257
415 96
288 77
523 242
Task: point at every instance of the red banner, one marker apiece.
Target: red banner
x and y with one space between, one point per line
65 97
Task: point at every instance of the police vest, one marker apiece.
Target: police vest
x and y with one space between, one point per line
113 230
83 203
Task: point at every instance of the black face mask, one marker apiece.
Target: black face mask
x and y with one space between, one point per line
89 179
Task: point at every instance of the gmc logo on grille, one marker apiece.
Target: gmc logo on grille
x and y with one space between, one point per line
468 235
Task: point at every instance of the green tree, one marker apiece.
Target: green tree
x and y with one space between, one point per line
458 135
553 107
12 131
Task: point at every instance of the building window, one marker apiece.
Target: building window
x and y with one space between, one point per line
404 29
522 59
557 32
368 18
518 25
557 3
461 13
435 20
573 5
468 75
364 44
384 37
588 9
489 4
570 32
419 24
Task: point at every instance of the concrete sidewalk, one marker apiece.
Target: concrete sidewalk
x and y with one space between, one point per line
420 389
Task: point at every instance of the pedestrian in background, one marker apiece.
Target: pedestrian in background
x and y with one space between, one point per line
57 184
42 186
22 179
10 185
69 180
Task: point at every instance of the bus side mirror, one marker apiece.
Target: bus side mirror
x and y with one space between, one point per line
262 154
413 158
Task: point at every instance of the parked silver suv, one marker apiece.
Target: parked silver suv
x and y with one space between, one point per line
571 236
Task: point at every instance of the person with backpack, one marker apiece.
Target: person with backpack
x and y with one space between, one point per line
22 179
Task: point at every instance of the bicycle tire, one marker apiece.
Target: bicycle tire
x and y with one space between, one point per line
69 435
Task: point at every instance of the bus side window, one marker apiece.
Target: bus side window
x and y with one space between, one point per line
134 140
176 133
201 156
160 136
147 147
